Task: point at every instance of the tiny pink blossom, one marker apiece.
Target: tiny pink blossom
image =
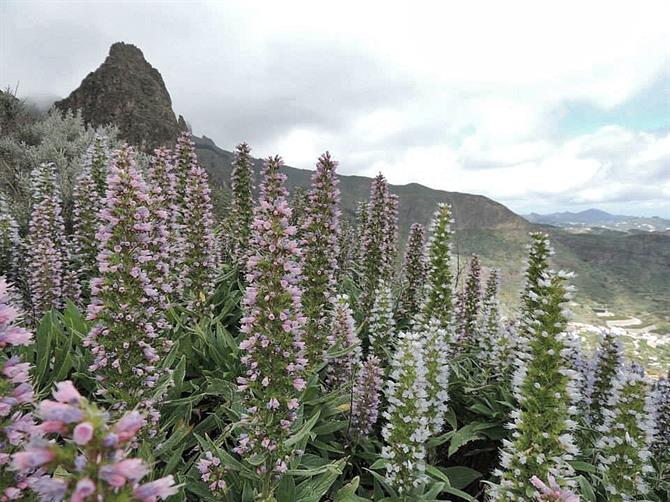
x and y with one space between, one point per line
83 433
66 393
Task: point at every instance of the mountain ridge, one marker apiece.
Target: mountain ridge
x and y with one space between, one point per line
599 218
127 91
489 214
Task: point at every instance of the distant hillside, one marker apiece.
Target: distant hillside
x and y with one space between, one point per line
417 202
600 219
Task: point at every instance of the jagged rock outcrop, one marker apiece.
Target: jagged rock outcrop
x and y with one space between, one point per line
130 93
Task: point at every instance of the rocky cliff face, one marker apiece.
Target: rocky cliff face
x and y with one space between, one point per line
130 93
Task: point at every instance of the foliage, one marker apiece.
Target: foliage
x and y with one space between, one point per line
234 408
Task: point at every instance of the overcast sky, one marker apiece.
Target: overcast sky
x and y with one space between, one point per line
543 106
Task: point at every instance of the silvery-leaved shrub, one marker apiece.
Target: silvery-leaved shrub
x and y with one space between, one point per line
10 241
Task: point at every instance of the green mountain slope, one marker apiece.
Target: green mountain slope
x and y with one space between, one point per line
628 273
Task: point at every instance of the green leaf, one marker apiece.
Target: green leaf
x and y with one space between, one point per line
463 436
304 430
437 474
256 460
586 490
459 493
450 417
461 476
285 492
483 410
580 466
382 482
380 463
313 489
348 492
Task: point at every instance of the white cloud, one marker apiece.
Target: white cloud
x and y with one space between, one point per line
460 96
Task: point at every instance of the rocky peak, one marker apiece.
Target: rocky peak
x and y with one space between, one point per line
130 93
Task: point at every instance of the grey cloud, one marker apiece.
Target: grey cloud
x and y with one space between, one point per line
232 86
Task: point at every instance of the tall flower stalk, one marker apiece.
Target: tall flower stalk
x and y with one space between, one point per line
273 347
361 224
414 273
378 241
184 158
342 336
96 162
438 295
165 206
490 323
577 360
365 397
470 305
127 301
406 425
320 235
662 440
382 323
299 203
435 344
87 205
608 362
241 206
45 243
390 241
347 249
503 355
200 261
542 441
628 431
